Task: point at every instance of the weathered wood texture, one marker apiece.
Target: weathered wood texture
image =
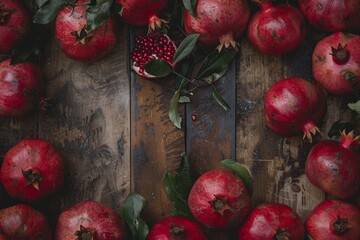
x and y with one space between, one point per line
88 121
113 130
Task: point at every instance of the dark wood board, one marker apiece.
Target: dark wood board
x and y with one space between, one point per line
112 128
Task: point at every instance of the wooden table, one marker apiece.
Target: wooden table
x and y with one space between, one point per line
112 128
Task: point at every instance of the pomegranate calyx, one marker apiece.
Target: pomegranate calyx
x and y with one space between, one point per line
33 178
4 14
226 41
341 225
340 54
219 205
281 234
81 35
155 23
177 232
349 141
85 233
310 129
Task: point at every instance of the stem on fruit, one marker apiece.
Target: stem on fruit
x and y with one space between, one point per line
177 232
281 234
85 233
219 205
341 225
32 177
340 54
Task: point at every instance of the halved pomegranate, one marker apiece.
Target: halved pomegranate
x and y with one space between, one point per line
151 47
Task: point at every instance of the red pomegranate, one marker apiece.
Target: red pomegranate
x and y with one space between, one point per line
270 221
219 199
150 47
142 12
292 106
332 16
218 21
336 63
14 24
176 228
32 169
76 41
334 219
22 222
89 220
276 30
335 167
21 88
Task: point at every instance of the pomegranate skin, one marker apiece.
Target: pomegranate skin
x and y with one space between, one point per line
141 12
91 215
336 76
39 156
21 88
276 30
335 167
218 21
322 221
14 24
270 221
95 45
219 199
176 227
21 218
332 16
294 105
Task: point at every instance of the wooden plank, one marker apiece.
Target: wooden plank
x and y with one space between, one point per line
210 135
89 122
156 144
277 163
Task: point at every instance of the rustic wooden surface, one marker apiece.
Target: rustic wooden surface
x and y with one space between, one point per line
113 130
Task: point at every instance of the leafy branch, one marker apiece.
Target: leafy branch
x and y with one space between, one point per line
212 68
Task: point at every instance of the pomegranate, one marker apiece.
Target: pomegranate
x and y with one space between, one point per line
21 88
150 47
335 167
270 221
219 199
23 222
336 63
76 41
176 228
332 16
276 30
14 24
292 105
32 169
334 219
142 12
89 220
218 22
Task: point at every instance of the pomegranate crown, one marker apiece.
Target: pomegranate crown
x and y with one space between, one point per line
349 141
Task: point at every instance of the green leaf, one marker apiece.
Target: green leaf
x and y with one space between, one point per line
174 115
158 68
190 6
39 3
219 99
242 171
338 127
215 65
48 11
97 14
133 205
185 47
355 106
178 187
